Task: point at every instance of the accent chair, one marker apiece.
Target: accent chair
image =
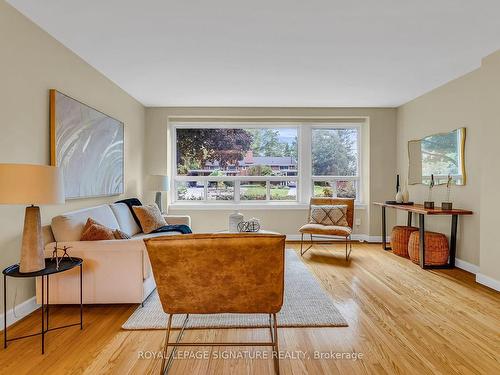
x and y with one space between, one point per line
343 231
218 273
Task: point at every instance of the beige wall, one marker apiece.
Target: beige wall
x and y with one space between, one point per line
472 101
451 106
490 177
380 147
31 63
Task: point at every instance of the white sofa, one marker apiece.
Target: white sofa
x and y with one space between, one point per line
115 271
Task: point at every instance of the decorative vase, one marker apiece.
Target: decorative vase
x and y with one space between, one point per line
234 219
399 197
406 194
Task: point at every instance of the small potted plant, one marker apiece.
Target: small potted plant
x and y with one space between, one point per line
429 203
448 205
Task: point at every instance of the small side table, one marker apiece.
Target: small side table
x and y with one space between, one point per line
50 268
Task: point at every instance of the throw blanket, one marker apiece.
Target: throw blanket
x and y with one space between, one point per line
130 202
184 229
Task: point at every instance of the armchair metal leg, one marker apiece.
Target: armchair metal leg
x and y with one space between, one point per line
165 346
274 337
165 367
348 254
166 363
302 252
301 243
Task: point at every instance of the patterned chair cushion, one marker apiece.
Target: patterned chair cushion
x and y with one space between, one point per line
328 230
331 215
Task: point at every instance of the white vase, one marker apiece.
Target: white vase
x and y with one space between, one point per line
234 219
399 197
406 194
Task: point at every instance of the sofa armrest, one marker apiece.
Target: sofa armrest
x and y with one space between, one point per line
178 219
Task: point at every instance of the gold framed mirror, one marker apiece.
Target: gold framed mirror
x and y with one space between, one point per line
440 155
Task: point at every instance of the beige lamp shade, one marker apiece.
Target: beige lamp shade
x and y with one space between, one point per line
158 182
31 184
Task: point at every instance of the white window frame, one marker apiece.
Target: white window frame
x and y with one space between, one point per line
333 179
304 179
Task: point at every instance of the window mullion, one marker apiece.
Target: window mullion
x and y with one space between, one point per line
237 191
305 164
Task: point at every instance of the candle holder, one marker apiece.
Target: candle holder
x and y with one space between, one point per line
429 204
447 205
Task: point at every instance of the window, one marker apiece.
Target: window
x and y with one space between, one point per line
236 164
335 162
257 162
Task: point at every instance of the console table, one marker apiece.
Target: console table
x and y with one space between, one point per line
421 212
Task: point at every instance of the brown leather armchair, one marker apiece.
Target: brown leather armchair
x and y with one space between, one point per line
218 273
330 230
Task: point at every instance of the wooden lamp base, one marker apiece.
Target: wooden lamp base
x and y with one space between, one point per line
32 256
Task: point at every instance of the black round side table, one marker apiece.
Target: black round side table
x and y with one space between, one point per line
65 264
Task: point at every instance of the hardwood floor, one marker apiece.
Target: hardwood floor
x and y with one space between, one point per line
402 319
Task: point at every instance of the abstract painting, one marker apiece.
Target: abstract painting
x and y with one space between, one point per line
88 146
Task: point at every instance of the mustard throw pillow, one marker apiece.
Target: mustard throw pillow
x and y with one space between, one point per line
150 217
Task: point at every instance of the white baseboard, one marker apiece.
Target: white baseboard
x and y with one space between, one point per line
376 239
23 309
355 237
466 266
488 281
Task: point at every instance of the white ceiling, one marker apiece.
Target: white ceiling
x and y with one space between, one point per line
377 53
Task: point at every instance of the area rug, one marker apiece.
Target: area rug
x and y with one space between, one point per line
306 304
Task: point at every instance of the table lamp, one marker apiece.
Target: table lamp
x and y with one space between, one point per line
158 183
33 185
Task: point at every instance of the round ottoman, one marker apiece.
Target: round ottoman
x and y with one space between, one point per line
399 239
436 248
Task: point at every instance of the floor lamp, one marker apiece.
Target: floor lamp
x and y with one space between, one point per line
29 184
158 183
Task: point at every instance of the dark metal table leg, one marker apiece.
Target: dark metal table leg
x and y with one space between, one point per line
81 298
47 324
4 311
453 240
421 223
384 231
43 318
409 218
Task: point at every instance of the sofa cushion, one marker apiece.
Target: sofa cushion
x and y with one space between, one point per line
125 219
69 226
151 235
121 235
150 217
97 232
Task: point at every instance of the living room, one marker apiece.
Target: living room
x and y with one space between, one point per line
258 188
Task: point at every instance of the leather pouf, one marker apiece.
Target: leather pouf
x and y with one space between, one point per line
399 240
436 248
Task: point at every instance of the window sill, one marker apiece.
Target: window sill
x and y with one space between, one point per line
201 206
